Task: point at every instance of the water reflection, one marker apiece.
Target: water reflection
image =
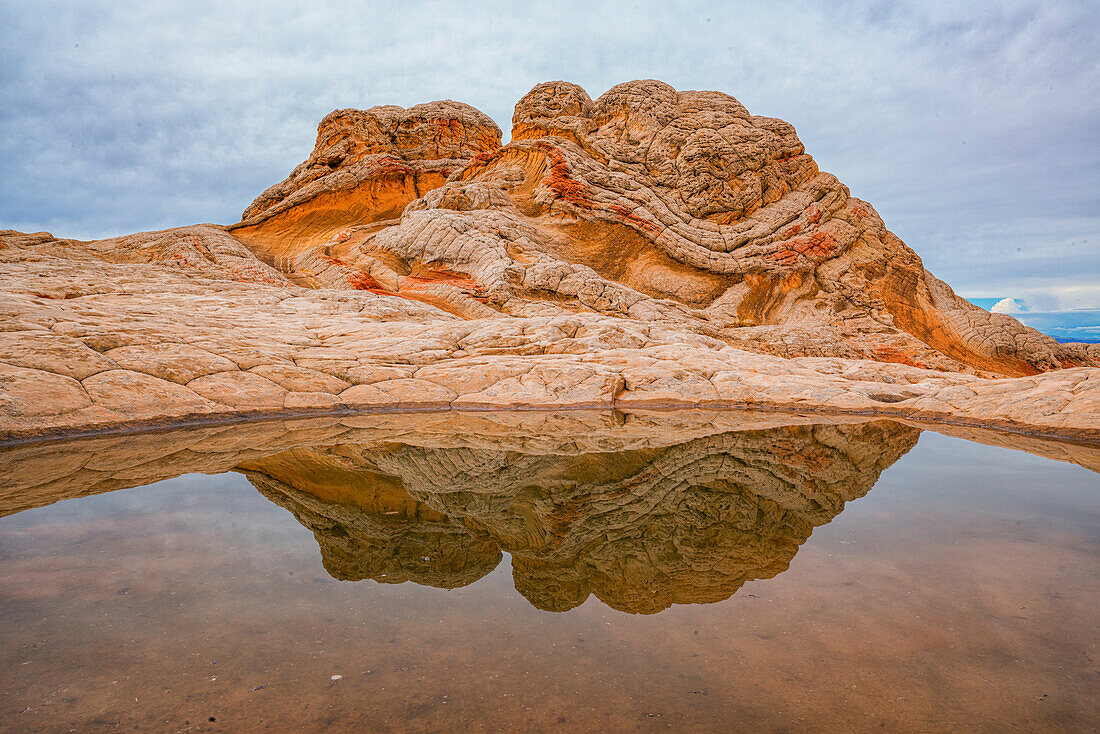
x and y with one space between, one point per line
959 594
642 510
640 529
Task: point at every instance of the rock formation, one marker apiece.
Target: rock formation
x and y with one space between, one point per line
366 167
651 247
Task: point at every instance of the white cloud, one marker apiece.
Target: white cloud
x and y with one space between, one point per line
1007 305
1047 297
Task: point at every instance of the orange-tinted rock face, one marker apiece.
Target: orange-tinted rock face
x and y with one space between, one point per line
682 204
366 166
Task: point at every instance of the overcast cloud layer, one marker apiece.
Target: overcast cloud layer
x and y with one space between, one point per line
975 131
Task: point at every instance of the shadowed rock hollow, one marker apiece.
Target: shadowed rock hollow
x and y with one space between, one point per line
649 247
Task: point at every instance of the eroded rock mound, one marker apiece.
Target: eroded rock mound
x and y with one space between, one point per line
201 251
679 207
366 166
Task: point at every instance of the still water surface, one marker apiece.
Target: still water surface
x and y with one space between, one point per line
826 578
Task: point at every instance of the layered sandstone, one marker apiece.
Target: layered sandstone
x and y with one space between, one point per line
366 167
648 248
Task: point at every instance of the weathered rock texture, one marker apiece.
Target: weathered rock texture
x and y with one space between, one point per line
367 166
651 247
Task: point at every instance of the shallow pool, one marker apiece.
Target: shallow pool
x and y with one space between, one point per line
835 577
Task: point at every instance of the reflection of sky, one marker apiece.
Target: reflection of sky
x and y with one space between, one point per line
973 128
943 477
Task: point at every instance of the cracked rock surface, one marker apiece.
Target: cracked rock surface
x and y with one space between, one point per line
652 247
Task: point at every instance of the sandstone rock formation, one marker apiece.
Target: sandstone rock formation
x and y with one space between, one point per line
367 166
651 247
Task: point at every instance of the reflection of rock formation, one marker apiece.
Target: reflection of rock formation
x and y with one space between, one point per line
641 529
367 525
37 474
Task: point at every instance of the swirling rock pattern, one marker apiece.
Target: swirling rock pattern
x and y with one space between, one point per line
366 166
652 247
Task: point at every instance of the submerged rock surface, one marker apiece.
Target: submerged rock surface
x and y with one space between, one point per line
647 248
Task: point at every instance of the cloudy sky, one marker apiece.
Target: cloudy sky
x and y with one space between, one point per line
974 128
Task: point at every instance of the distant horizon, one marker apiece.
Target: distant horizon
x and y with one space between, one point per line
1068 325
975 132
